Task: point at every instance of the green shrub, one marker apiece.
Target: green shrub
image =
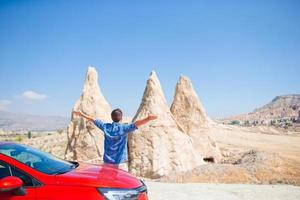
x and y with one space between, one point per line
19 138
235 122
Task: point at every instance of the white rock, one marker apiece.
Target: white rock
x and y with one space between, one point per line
159 149
85 140
191 116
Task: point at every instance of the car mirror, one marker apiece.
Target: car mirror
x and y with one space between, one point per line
12 183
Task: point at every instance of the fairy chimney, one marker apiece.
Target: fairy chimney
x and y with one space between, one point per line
160 148
190 114
85 141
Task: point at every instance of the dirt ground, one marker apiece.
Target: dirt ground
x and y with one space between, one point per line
199 191
252 155
235 137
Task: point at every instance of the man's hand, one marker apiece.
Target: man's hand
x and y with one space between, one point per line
139 123
78 113
151 117
81 114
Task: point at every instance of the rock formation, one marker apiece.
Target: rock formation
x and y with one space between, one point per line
280 107
281 111
85 141
191 116
159 148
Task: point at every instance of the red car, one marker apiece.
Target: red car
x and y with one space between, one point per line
29 174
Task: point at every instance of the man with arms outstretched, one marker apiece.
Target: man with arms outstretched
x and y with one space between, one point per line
116 135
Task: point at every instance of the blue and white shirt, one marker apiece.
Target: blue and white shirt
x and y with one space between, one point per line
115 140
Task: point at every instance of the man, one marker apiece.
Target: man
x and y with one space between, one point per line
116 135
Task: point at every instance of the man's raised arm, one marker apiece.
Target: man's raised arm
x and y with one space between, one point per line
81 114
141 122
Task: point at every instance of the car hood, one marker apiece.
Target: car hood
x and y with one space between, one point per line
98 176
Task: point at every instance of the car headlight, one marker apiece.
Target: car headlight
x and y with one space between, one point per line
122 194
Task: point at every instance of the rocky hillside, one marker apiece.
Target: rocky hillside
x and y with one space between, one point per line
283 109
280 107
24 122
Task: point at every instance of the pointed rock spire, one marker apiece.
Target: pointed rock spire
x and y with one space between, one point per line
153 100
159 149
186 106
85 141
190 114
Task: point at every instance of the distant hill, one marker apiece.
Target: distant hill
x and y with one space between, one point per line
281 107
22 122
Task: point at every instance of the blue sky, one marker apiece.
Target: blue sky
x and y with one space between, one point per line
238 54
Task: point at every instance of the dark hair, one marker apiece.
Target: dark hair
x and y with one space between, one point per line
118 110
115 117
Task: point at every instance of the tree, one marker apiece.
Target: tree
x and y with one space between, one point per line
29 134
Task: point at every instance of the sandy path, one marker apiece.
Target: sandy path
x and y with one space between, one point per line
234 137
199 191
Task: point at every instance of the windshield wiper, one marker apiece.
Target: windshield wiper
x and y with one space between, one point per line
73 166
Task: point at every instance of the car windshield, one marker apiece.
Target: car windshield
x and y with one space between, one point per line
36 159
